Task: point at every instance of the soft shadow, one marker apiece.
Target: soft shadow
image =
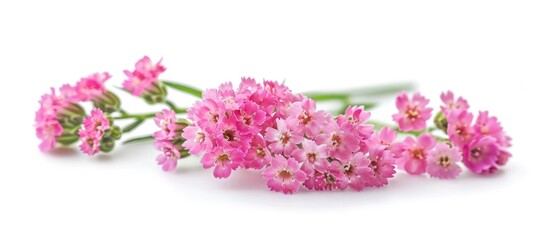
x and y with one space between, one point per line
63 152
468 175
249 180
103 157
186 169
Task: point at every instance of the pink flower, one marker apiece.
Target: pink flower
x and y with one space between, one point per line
386 138
250 118
459 127
356 172
207 113
47 130
304 119
50 105
327 176
283 140
224 160
355 118
453 105
278 91
248 86
413 113
94 126
134 84
503 157
165 120
92 86
382 166
68 94
487 126
170 155
481 154
284 175
197 140
441 161
147 69
310 155
47 126
342 143
258 155
227 135
90 141
225 96
96 121
414 155
145 74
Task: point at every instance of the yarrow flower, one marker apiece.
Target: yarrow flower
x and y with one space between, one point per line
92 86
414 153
229 119
60 114
170 154
441 161
144 78
481 155
356 172
382 165
481 145
169 139
484 144
265 126
284 175
57 116
47 129
412 113
93 131
451 104
224 160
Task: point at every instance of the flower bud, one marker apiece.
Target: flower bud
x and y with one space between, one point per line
441 122
155 93
70 117
109 138
67 137
107 145
108 102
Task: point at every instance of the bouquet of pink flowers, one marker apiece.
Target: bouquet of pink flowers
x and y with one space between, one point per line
267 128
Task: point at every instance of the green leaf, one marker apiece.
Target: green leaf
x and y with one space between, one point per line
382 90
133 125
367 106
138 139
319 97
184 88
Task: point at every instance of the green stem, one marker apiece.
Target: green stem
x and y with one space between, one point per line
184 88
170 104
138 139
379 125
144 116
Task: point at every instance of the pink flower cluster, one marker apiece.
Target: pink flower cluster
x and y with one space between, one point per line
60 112
265 126
94 128
168 139
481 146
143 77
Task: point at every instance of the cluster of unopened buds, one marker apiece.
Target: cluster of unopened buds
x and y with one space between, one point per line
264 127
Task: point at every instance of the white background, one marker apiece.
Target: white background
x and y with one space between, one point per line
496 54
